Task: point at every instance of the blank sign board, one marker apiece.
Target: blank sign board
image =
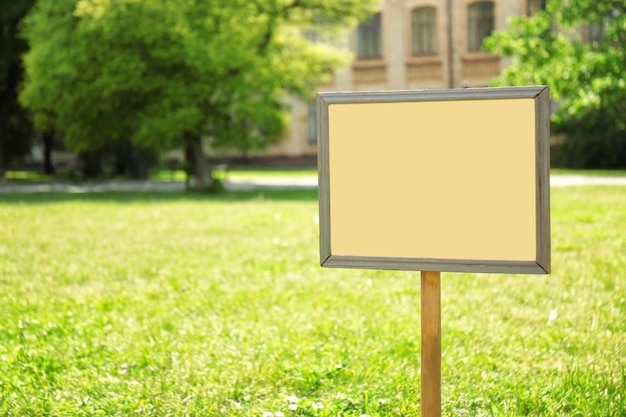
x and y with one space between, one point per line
437 180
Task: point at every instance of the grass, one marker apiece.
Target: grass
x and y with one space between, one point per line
590 172
32 176
121 304
241 173
234 173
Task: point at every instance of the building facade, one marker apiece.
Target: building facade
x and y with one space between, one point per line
412 44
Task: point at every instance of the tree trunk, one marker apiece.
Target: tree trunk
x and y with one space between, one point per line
120 167
92 164
48 167
136 163
199 168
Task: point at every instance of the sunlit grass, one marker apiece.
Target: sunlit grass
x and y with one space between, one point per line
33 176
590 172
240 173
178 304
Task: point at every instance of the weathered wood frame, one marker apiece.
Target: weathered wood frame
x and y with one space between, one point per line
541 265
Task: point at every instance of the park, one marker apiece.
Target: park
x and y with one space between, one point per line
121 303
132 284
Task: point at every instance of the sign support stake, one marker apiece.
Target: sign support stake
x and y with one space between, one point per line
431 344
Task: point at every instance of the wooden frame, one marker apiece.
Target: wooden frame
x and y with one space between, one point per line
435 180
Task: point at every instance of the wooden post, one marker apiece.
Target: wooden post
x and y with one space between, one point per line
431 344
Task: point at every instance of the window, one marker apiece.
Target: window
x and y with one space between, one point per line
480 23
597 30
312 122
312 35
535 6
424 31
369 38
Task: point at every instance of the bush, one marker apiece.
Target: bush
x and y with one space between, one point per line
592 140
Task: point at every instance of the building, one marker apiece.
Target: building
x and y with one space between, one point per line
412 44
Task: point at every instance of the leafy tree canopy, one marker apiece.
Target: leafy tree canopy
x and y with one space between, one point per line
15 126
163 71
578 48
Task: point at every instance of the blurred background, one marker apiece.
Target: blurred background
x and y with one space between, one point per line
101 89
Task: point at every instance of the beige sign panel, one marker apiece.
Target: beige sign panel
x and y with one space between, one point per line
438 180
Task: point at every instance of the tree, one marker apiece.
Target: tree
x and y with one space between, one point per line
578 48
177 73
15 126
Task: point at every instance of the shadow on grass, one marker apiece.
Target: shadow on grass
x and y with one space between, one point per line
146 197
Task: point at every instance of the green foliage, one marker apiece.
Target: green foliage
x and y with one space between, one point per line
183 304
578 49
16 131
162 71
216 187
11 46
593 141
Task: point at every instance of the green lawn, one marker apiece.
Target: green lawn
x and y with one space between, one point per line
590 172
115 304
